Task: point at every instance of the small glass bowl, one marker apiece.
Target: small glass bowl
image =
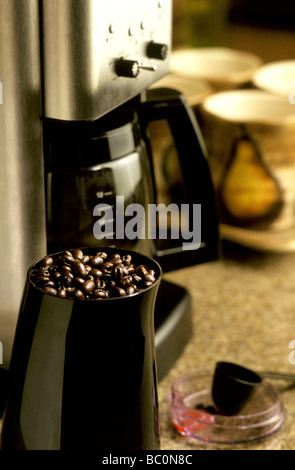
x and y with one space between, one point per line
193 413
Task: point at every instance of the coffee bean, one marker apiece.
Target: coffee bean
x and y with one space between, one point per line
68 258
130 290
141 270
87 286
70 289
130 269
42 279
107 265
125 271
116 260
121 292
117 273
112 284
148 283
96 273
50 284
107 276
95 261
62 293
136 279
78 281
65 280
78 254
126 281
100 283
64 268
79 268
99 293
43 271
48 261
78 294
50 290
127 259
149 277
67 253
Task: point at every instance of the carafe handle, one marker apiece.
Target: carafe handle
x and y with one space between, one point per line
171 105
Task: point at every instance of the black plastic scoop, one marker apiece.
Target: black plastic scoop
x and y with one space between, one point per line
233 385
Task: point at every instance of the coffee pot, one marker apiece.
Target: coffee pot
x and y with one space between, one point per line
101 185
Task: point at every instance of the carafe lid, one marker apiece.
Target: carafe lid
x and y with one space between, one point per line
116 134
89 143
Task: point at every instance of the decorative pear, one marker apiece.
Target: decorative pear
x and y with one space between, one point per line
249 193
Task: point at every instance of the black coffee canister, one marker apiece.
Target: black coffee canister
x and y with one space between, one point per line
83 372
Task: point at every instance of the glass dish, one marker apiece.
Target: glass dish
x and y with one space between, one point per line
193 413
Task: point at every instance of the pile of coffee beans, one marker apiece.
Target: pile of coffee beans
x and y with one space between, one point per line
77 275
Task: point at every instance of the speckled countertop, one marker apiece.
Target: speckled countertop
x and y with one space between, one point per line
243 310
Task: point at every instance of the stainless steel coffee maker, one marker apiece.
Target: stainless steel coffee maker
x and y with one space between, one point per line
67 69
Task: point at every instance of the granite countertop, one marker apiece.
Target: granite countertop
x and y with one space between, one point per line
243 310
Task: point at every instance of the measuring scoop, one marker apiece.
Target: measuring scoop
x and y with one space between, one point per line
233 385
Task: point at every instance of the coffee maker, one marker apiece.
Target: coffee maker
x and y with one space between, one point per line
66 68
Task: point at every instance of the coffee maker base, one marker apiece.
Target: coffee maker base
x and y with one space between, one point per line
173 325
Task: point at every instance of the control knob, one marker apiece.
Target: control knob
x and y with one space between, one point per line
131 68
157 50
127 68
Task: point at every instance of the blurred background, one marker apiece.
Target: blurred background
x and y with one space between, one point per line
262 27
228 45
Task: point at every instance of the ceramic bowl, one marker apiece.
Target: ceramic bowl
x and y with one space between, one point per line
194 90
222 67
250 106
277 77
